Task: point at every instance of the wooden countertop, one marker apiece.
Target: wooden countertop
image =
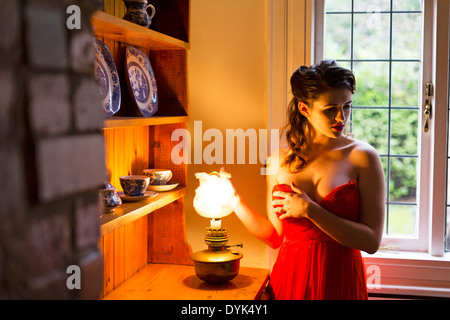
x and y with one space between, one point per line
179 282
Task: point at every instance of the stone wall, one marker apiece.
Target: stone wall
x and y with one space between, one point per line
51 152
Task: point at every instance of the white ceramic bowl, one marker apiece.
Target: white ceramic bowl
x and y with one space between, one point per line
158 176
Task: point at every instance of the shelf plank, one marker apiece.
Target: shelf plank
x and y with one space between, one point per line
131 211
121 122
179 282
111 27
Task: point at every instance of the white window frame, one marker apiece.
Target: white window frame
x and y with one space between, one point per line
420 267
432 175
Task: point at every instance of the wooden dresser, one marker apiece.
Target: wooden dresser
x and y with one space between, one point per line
146 255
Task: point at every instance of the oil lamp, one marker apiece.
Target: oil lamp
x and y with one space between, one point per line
215 199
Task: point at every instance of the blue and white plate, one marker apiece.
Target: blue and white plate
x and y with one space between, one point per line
107 79
141 81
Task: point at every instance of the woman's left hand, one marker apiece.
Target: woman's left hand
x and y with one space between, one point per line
293 205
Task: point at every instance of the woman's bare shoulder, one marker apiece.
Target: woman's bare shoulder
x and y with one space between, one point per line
276 160
363 154
279 155
283 151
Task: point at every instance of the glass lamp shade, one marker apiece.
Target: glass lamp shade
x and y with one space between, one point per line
214 198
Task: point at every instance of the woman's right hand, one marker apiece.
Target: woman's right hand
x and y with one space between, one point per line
293 203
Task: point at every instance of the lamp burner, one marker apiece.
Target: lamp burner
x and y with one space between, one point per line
216 239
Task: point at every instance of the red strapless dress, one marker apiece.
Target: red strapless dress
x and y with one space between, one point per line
310 264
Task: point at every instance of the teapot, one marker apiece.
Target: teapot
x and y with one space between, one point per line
137 12
109 198
215 196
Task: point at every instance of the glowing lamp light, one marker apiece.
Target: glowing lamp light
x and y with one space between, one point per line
214 199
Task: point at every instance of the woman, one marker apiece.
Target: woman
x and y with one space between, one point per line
326 200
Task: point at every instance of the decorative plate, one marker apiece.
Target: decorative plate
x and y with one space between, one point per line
107 79
141 81
147 195
163 187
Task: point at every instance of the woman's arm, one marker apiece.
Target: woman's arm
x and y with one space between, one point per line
268 230
367 232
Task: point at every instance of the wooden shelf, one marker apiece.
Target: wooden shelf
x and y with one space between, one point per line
119 122
131 211
111 27
132 236
179 282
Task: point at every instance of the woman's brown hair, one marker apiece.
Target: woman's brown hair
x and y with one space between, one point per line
307 84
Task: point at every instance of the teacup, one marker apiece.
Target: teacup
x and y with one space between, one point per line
134 185
158 176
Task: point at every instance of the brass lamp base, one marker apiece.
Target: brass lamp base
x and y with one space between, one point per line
217 264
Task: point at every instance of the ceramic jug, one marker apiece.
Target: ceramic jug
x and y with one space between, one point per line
137 12
109 198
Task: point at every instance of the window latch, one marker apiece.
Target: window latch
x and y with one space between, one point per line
429 90
427 111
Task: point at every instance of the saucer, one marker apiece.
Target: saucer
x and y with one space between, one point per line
147 195
163 187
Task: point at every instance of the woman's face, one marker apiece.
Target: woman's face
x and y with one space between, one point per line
330 113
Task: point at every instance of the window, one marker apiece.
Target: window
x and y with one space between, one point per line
382 41
298 37
382 45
